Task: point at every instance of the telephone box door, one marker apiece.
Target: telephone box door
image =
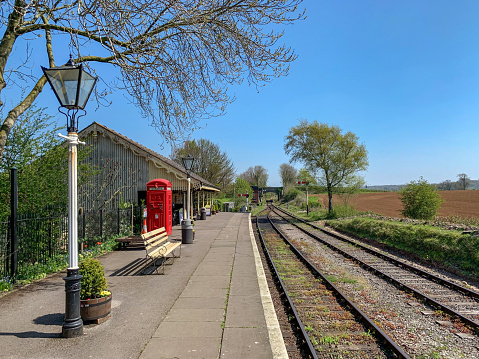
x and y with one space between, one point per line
159 205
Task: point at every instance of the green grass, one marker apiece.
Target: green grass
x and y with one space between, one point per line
447 247
319 214
258 208
329 340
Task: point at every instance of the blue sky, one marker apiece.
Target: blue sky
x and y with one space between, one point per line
402 75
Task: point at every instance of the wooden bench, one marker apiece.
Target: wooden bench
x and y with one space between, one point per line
158 247
124 241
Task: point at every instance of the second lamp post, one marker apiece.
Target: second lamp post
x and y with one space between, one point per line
186 225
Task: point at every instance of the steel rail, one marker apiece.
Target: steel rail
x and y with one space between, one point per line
299 323
398 283
396 261
380 334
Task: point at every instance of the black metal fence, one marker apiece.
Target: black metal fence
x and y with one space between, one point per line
43 237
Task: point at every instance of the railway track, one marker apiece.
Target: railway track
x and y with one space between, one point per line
444 295
329 324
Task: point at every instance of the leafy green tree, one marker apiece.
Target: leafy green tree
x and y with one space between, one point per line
32 137
288 175
255 176
304 175
32 149
420 200
210 162
175 59
242 187
325 150
35 149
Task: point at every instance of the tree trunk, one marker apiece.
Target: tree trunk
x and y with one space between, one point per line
330 199
6 46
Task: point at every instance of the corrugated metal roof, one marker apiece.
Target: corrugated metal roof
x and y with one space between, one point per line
204 184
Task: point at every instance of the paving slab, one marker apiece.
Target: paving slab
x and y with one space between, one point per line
212 269
195 315
216 281
192 330
204 292
243 312
198 302
192 348
246 343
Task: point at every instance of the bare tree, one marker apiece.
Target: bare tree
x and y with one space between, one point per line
288 174
175 58
446 185
210 163
463 181
255 176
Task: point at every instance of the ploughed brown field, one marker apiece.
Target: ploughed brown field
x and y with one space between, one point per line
457 203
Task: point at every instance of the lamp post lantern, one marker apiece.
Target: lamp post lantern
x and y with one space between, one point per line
72 86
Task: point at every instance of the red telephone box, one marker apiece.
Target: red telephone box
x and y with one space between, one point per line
159 205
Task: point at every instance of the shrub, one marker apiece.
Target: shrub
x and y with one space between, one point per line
93 283
420 200
313 202
291 194
5 285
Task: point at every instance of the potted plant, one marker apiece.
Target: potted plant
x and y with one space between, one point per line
95 299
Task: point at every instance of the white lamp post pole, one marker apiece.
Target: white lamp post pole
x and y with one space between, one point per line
73 325
188 198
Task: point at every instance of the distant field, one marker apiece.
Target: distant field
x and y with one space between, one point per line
457 203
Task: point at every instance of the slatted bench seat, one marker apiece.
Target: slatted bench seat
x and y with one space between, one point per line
159 248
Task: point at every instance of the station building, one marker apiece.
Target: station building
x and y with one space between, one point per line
124 167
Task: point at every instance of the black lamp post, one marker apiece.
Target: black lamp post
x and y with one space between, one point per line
72 86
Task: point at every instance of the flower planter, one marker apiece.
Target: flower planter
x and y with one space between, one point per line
95 310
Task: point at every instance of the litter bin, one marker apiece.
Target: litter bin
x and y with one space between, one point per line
187 231
203 213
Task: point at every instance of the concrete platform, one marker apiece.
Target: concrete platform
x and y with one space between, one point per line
213 302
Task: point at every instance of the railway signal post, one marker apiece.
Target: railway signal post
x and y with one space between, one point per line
306 183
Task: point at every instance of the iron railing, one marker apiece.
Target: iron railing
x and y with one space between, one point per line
42 237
